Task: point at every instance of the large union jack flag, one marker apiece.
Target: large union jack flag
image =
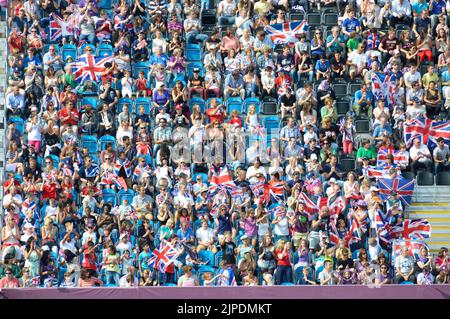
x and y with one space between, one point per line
427 130
400 157
89 67
60 28
402 186
282 33
412 229
383 85
163 257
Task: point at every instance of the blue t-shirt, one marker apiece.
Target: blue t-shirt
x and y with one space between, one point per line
446 76
143 259
379 131
322 67
350 25
358 96
188 234
419 7
163 59
224 223
437 7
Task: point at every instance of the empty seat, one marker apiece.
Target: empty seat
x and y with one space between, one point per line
340 89
443 178
314 19
362 126
342 106
425 178
269 107
408 175
330 19
347 164
353 88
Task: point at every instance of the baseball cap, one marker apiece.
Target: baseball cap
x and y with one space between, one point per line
34 108
196 69
179 107
16 70
122 236
332 180
362 203
314 156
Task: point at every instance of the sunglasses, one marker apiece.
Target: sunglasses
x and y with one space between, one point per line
9 273
107 158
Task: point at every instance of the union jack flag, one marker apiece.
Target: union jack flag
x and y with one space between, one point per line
400 157
30 205
277 193
380 172
60 28
222 178
237 194
139 171
311 208
89 67
282 33
336 207
163 257
402 186
412 229
427 130
383 85
278 212
142 149
126 164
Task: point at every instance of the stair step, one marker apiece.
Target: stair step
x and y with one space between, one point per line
438 242
426 215
445 209
428 204
436 230
435 234
431 212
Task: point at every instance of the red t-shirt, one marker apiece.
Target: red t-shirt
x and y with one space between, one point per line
73 120
215 116
236 120
284 261
49 191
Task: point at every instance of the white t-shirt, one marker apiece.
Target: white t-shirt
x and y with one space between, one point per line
325 276
357 58
204 235
282 227
410 77
413 152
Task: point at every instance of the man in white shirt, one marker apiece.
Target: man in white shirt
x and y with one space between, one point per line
420 155
205 236
326 276
254 170
357 61
404 267
412 76
401 12
226 12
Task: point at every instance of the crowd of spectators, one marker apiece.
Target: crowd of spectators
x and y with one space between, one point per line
99 173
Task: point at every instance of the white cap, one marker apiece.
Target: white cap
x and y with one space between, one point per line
122 236
45 248
313 156
332 180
